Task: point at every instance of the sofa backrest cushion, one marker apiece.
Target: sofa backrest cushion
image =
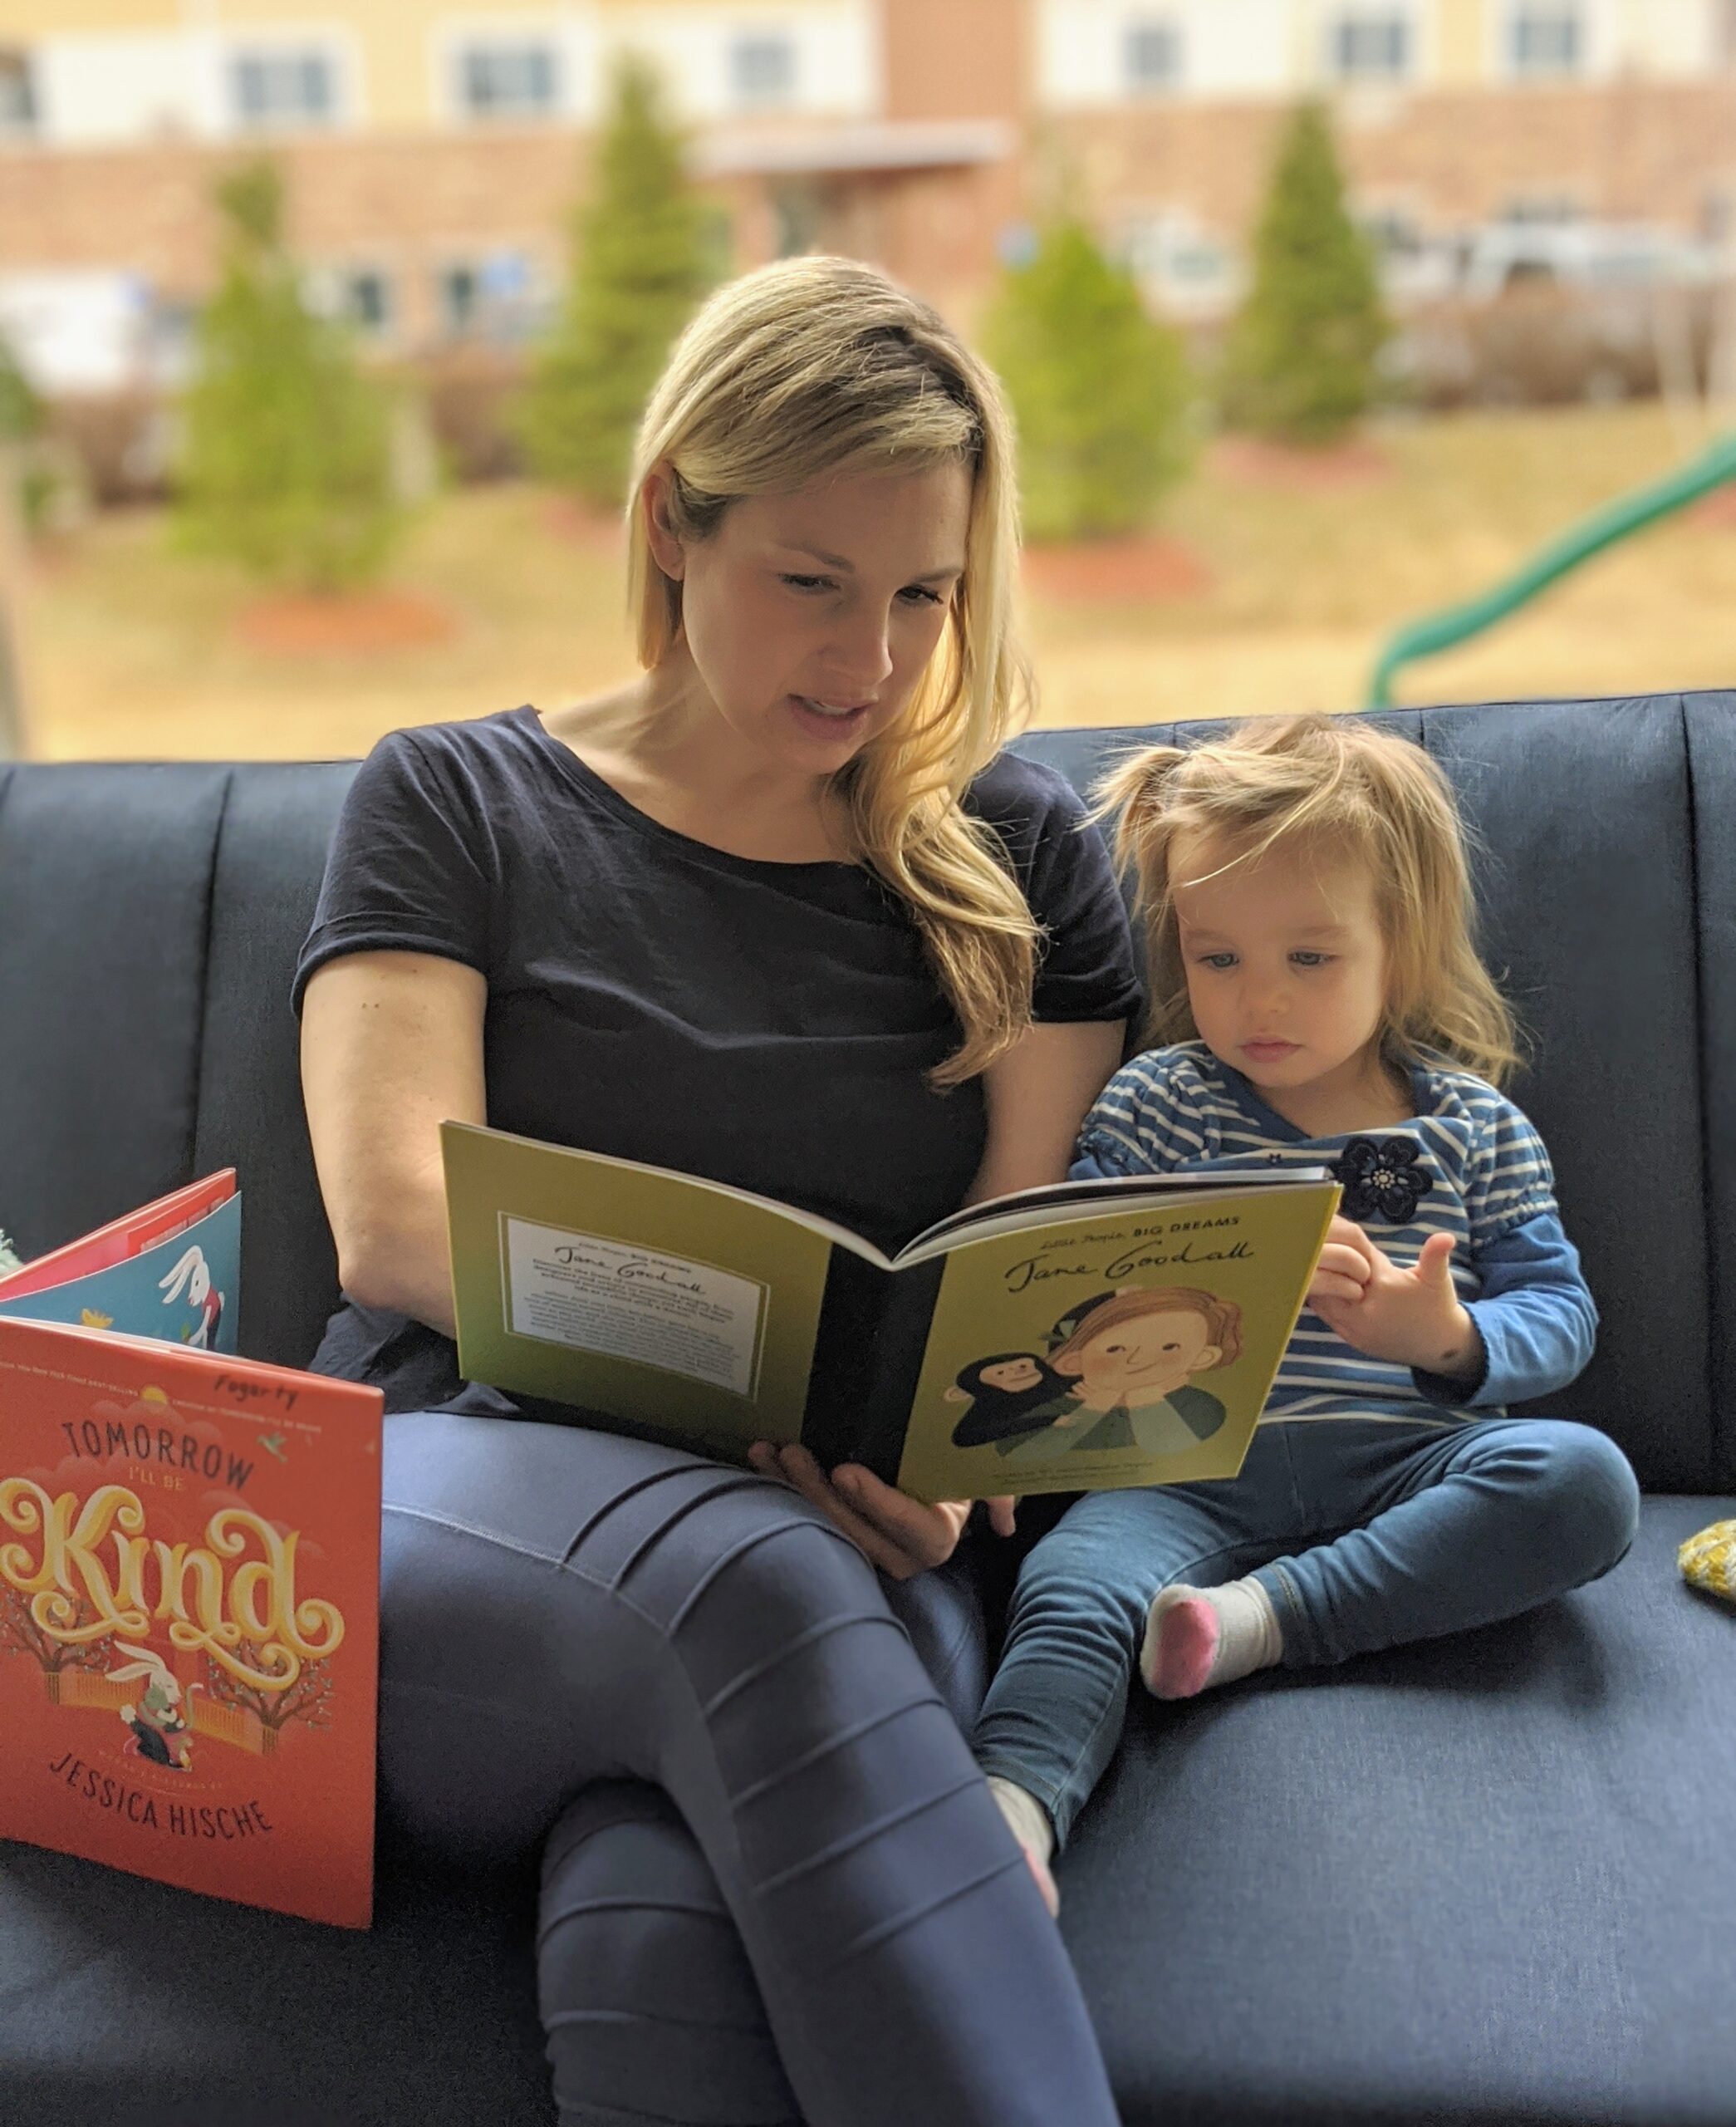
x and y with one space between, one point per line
150 918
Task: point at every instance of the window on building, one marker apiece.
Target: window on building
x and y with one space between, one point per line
19 112
360 297
762 70
798 212
1542 209
459 293
494 296
283 88
365 300
171 338
1179 266
1371 46
1151 56
1392 233
1548 39
508 80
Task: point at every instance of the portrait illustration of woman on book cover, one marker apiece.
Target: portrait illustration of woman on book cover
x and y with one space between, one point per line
1129 1359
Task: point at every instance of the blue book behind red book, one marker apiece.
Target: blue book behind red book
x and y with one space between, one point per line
171 1270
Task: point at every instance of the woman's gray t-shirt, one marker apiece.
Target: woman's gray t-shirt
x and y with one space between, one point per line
769 1026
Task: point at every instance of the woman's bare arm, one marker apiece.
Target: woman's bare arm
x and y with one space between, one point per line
391 1048
1038 1093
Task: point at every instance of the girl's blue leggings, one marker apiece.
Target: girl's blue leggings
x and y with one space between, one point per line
1365 1533
775 1887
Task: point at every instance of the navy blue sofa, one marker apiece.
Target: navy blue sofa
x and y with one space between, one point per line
1476 1883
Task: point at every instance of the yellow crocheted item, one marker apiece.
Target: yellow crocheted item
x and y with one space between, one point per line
1708 1560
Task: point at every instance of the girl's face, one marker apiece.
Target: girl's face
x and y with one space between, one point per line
810 617
1286 966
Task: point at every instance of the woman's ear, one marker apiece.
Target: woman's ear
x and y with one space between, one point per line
655 497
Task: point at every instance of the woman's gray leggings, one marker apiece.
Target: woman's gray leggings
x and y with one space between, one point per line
775 1886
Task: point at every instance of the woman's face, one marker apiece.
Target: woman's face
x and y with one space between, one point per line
811 616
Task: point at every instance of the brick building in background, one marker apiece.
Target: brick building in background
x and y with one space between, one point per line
433 147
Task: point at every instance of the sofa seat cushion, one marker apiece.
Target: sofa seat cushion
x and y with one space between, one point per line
1477 1883
1486 1881
136 2005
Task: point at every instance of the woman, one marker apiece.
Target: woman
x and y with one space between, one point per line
767 914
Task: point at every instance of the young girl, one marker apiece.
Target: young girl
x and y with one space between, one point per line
1319 1001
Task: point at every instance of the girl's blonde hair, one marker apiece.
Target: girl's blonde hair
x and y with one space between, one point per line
1329 784
822 366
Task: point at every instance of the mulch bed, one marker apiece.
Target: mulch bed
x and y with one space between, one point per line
1141 569
308 624
567 518
1717 511
1255 462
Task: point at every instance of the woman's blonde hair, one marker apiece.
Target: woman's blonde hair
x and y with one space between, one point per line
822 366
1331 785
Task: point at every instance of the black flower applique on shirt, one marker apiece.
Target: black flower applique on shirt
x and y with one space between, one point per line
1380 1179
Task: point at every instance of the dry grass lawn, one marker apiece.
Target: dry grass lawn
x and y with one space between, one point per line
132 651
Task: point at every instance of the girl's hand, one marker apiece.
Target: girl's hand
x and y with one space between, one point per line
897 1534
1344 1267
1412 1318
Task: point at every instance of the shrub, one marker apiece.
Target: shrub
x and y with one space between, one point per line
21 411
1302 363
285 462
645 251
1101 391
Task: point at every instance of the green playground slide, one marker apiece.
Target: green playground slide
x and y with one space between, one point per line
1616 520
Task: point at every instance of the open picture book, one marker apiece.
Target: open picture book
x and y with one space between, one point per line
1074 1338
189 1576
170 1270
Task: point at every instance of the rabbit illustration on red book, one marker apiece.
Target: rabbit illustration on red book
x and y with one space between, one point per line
194 1273
161 1730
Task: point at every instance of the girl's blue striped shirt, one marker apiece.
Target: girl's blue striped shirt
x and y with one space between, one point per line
1466 1162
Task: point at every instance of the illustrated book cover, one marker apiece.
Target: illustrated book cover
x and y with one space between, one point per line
189 1570
1074 1338
170 1270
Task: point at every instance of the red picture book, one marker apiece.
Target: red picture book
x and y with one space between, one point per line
189 1574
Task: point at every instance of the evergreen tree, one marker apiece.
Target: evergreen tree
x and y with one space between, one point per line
23 491
645 251
285 462
21 411
1302 354
1100 390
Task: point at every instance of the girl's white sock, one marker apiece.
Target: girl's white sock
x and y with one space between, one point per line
1198 1637
1030 1825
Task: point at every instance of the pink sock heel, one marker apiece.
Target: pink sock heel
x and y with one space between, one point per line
1181 1645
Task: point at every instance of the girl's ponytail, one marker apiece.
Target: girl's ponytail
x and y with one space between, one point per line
1138 793
1132 792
